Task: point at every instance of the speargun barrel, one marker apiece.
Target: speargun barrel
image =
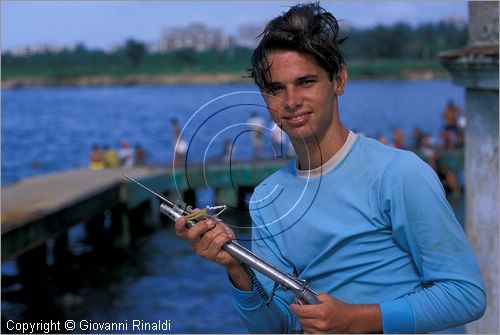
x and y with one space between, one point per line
297 286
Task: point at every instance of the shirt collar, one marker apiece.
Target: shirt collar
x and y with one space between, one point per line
331 163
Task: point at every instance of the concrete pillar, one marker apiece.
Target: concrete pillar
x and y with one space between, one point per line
482 183
476 68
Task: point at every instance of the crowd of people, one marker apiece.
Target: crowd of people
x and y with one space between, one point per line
429 148
451 137
106 157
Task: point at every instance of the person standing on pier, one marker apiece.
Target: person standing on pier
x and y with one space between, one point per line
256 124
366 224
451 135
180 146
126 155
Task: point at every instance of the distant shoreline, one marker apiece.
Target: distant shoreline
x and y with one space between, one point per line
191 78
130 80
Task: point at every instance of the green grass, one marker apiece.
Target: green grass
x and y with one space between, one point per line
53 67
92 64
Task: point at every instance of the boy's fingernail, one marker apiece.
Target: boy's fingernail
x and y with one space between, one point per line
210 223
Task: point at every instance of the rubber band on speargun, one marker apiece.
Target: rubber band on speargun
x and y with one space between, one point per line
203 213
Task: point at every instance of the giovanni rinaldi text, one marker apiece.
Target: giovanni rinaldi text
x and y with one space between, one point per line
47 327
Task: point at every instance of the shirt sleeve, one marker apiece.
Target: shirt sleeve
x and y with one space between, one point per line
424 225
258 316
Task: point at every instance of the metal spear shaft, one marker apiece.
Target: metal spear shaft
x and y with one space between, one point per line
242 254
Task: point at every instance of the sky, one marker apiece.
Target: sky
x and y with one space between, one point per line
103 24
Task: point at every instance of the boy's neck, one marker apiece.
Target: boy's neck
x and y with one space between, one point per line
311 155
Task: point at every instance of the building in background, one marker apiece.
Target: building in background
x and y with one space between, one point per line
248 35
196 36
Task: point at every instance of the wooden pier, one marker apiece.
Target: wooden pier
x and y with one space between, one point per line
44 208
39 209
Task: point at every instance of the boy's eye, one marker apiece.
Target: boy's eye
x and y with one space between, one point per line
306 82
275 88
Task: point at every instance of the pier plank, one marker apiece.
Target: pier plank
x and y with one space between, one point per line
33 198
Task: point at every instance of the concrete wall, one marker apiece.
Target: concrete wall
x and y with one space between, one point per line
484 16
475 67
482 196
481 152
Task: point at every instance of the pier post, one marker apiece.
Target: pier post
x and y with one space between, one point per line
120 227
60 251
96 232
140 219
476 68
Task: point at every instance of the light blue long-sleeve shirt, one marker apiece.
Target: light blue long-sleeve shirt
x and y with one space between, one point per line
371 226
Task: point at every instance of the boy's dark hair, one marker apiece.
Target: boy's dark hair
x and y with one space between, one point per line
306 28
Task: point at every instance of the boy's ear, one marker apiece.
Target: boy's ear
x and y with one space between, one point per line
340 80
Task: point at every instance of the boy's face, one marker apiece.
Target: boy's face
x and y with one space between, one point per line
301 98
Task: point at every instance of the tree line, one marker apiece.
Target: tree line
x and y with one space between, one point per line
396 42
404 41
